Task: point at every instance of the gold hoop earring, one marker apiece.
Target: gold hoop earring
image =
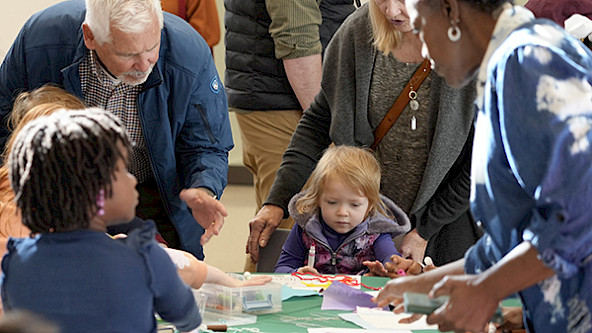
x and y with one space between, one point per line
454 33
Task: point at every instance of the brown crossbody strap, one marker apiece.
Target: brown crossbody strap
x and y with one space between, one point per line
395 111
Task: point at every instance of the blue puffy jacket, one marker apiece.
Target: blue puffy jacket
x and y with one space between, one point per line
183 107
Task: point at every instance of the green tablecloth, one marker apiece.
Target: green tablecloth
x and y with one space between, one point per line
300 313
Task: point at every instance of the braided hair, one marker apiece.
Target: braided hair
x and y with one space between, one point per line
59 163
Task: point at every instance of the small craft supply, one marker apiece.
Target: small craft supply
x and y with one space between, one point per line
401 272
339 296
311 256
213 328
326 280
218 328
421 303
427 261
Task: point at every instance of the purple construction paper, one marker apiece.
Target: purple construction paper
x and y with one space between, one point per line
339 296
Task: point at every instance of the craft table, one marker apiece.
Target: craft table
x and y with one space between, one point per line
300 313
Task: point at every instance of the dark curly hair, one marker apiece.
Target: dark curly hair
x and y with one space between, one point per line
59 163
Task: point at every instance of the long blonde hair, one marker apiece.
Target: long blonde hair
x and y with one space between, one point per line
385 37
356 167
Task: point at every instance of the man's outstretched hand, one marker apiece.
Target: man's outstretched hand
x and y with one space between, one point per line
206 210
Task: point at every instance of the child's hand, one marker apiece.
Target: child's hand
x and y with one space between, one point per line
375 268
307 269
399 263
254 280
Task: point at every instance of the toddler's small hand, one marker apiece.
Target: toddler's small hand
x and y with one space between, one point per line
398 263
307 269
375 268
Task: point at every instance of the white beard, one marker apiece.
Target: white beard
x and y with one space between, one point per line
134 78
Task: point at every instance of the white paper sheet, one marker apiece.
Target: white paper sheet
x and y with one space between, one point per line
379 319
352 330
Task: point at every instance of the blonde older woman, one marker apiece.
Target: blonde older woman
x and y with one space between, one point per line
425 156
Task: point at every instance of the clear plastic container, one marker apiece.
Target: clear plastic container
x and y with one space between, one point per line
201 299
262 299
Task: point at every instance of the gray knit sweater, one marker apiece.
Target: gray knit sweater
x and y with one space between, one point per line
339 114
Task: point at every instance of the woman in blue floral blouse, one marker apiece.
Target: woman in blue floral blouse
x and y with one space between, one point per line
531 173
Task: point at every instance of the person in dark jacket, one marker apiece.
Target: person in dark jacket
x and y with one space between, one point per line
425 156
155 73
273 71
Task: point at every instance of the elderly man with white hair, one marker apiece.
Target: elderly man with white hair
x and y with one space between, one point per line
156 73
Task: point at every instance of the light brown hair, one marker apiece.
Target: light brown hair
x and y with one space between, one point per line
45 94
356 167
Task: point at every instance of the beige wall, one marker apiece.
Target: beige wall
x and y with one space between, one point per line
12 17
15 13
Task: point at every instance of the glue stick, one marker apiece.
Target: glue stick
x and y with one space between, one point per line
311 256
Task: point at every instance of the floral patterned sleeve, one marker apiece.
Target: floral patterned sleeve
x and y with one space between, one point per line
547 142
537 182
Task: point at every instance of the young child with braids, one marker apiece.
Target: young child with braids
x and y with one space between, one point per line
27 106
45 101
345 218
69 175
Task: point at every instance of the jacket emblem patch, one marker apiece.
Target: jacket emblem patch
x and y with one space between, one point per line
214 86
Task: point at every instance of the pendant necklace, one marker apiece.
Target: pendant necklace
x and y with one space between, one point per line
415 81
414 106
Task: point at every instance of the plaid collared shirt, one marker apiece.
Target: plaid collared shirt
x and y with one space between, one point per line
100 89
